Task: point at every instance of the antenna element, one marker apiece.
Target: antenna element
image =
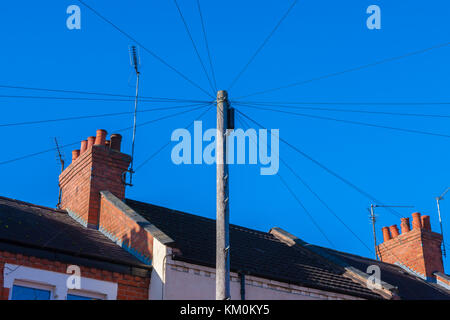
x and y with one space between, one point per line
135 62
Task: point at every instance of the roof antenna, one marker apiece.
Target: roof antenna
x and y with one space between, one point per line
441 197
135 62
61 159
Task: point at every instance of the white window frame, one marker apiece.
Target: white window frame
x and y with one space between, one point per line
57 282
87 294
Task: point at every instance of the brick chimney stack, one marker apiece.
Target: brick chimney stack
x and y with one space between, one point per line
419 248
96 166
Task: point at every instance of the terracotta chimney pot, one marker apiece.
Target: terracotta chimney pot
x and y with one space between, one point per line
405 226
90 142
416 224
394 231
100 139
426 223
116 140
75 155
83 147
386 234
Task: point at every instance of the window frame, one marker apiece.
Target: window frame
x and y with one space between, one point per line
32 285
86 293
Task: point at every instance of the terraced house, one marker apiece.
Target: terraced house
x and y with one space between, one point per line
118 248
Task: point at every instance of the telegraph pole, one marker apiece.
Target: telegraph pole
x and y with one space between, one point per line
222 205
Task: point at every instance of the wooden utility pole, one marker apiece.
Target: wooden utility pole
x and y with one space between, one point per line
222 208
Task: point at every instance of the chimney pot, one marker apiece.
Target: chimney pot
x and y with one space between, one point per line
394 231
426 223
405 226
90 141
83 147
416 221
100 139
75 154
107 143
386 234
116 140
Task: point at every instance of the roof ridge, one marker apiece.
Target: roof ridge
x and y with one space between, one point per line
32 204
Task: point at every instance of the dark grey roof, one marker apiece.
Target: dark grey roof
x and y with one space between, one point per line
37 228
254 252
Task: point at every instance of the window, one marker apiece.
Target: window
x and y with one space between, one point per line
74 294
29 293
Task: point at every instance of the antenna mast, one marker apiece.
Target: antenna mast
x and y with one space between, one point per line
441 197
134 59
373 220
61 159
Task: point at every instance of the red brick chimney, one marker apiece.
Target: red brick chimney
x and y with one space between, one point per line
96 167
418 249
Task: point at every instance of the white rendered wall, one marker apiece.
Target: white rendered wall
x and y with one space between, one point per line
177 280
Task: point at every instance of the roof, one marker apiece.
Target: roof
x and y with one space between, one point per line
251 251
410 287
42 229
262 254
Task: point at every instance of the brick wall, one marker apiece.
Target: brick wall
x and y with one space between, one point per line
129 287
125 229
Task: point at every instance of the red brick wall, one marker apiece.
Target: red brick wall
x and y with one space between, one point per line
129 287
418 249
95 170
116 223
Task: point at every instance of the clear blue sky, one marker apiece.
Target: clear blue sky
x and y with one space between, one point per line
318 38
